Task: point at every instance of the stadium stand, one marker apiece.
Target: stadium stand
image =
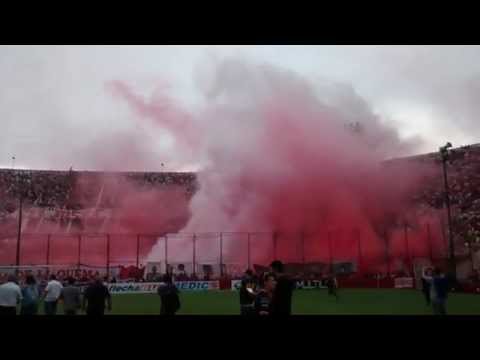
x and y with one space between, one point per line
71 202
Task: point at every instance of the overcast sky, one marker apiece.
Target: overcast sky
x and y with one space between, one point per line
54 102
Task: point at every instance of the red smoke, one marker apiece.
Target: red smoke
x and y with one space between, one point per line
280 158
109 203
278 155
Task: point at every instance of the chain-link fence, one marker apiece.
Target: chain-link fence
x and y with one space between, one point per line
385 251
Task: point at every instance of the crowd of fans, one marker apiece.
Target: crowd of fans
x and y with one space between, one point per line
151 179
54 195
62 195
463 167
29 291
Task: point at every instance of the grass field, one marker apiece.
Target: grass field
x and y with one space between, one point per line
305 302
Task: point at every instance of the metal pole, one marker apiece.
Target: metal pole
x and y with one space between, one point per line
274 238
166 254
359 250
194 254
330 250
407 250
445 242
138 251
79 251
387 255
453 267
248 251
108 254
429 239
48 249
19 233
303 249
221 254
472 259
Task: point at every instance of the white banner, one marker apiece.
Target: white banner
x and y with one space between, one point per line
151 288
301 284
404 282
61 271
310 284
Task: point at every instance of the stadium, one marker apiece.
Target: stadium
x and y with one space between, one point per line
373 220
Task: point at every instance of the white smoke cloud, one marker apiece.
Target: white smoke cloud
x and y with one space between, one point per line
56 94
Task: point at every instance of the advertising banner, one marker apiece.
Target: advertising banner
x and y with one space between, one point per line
151 288
404 282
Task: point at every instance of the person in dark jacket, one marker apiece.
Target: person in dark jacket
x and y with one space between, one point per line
282 295
426 283
168 293
71 297
332 286
247 294
264 298
439 292
95 297
31 297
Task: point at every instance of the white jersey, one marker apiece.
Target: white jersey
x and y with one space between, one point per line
10 294
53 289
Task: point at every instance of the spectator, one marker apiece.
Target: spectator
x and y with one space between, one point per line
10 296
247 294
95 298
264 300
282 297
52 294
168 293
332 285
153 276
30 297
71 298
439 292
426 284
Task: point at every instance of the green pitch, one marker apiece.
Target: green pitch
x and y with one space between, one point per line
305 302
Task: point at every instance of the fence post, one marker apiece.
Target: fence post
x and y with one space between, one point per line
359 240
79 251
447 251
48 249
108 254
330 250
274 238
429 239
248 251
387 255
302 238
19 233
138 251
166 254
194 254
407 249
221 254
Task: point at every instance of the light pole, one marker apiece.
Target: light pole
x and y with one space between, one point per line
302 243
468 246
221 254
248 251
194 254
330 251
21 189
408 260
275 240
444 154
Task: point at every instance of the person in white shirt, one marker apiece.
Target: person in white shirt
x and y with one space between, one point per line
52 294
10 296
